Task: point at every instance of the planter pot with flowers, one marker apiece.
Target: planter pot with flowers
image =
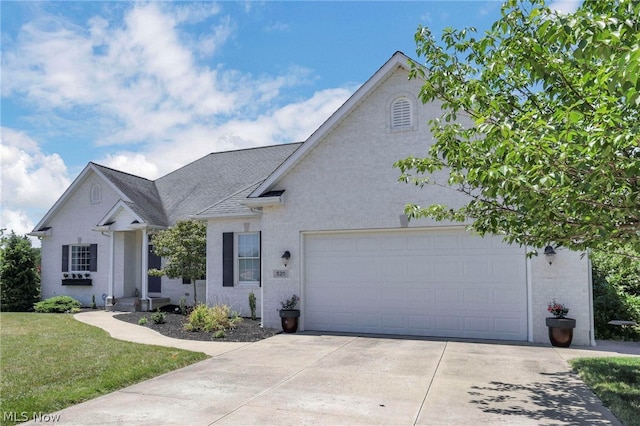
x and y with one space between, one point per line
560 327
289 315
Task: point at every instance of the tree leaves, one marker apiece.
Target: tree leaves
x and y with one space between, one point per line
184 247
550 151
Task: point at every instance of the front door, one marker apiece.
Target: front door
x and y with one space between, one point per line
155 283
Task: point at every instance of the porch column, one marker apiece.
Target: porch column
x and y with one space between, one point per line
145 264
112 247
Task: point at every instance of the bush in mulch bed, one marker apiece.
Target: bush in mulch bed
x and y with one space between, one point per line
247 330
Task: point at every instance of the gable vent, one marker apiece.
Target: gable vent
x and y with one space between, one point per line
401 114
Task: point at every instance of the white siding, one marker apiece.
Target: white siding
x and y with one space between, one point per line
73 223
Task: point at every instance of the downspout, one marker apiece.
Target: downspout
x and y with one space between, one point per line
592 329
529 297
261 287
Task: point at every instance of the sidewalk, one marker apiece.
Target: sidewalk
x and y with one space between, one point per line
122 330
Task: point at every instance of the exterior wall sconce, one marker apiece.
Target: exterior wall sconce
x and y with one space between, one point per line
549 254
285 258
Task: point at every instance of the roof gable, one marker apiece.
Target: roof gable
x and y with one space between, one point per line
77 182
398 59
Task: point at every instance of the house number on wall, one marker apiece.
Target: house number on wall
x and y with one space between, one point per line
280 273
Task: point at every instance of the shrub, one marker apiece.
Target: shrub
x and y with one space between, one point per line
58 304
142 321
252 305
218 318
183 305
159 317
224 318
200 319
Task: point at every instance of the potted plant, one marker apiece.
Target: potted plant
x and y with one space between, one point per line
289 314
560 327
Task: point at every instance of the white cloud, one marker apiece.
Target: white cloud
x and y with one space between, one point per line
291 123
141 75
209 43
19 222
31 180
565 6
139 86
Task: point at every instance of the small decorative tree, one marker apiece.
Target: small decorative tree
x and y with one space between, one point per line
184 246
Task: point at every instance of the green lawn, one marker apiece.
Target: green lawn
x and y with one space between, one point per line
51 361
616 381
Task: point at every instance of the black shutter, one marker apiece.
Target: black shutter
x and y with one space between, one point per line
65 258
260 261
93 257
227 259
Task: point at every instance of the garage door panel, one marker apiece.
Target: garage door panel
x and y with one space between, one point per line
478 324
443 283
509 325
419 297
505 298
449 323
473 296
418 270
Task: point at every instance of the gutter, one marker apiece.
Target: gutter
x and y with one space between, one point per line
277 200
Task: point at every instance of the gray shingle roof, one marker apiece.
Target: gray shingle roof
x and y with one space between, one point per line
232 204
145 200
219 179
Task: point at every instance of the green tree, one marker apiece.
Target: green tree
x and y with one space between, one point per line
616 294
540 125
19 278
184 247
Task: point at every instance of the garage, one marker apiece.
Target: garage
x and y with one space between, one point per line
427 282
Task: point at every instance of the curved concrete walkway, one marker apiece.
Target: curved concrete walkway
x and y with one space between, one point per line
312 378
122 330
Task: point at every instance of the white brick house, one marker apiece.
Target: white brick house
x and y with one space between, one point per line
335 204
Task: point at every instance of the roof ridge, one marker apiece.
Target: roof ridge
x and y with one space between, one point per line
120 171
228 152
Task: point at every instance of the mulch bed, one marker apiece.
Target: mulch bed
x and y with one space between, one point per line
247 330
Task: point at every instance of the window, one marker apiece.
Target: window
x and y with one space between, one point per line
240 258
80 258
248 258
401 114
96 194
188 281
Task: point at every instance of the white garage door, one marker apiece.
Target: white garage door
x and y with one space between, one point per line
445 283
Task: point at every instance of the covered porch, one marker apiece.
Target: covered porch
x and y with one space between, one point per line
130 288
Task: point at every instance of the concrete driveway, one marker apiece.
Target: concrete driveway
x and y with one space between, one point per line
334 379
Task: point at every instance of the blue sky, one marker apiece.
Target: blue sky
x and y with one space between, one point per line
146 87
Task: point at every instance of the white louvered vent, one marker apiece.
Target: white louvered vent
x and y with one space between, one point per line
401 114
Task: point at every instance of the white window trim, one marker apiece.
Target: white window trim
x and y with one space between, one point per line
71 270
236 259
95 195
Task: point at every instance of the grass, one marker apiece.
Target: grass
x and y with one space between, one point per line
51 361
616 381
